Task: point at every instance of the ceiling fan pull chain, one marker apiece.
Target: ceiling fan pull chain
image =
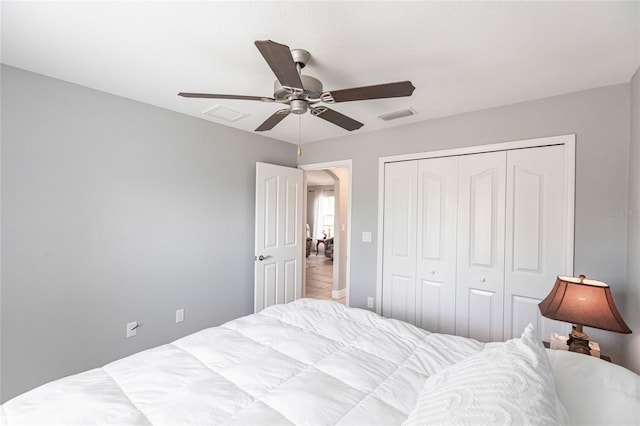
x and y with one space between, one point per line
299 136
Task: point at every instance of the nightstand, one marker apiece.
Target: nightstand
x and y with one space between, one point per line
604 357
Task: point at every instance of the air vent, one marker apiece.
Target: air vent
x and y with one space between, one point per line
225 113
398 114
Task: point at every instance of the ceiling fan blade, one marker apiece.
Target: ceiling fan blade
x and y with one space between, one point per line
336 118
279 58
216 96
378 91
271 122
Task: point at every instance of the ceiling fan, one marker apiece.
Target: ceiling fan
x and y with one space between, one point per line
302 92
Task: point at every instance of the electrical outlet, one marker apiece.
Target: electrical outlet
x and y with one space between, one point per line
132 329
180 315
366 237
370 302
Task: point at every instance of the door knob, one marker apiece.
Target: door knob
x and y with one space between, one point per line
261 257
482 280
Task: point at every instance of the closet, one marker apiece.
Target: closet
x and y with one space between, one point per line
472 243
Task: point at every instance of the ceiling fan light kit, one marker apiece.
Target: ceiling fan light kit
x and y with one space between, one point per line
301 92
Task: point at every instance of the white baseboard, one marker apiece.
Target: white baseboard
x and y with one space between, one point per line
339 294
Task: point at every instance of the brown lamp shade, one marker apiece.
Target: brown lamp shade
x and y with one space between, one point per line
585 302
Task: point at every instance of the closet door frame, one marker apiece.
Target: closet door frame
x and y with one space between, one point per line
569 142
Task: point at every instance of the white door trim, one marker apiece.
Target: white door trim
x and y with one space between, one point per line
569 141
329 165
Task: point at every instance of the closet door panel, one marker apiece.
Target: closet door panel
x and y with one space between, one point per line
535 232
482 307
401 301
524 310
399 241
436 244
481 233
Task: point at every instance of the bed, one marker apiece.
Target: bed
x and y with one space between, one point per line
318 363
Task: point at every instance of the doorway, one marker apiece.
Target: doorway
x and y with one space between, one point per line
321 221
327 189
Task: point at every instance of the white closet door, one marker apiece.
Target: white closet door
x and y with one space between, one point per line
399 245
535 235
436 245
481 221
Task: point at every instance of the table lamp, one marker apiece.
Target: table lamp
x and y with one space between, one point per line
581 302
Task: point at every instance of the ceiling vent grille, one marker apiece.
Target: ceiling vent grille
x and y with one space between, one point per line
397 114
224 113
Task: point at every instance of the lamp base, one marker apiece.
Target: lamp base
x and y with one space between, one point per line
579 342
562 343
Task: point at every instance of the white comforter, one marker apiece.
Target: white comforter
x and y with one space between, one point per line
316 362
308 362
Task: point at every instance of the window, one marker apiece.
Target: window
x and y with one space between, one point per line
324 220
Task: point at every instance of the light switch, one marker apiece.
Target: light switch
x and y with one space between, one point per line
132 329
366 237
180 315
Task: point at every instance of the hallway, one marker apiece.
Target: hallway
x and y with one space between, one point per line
319 276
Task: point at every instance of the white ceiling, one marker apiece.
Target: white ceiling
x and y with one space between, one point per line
319 178
461 56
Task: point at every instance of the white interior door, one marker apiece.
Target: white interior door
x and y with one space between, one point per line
535 251
436 245
278 235
481 222
399 247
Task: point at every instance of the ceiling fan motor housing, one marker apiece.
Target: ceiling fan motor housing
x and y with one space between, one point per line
312 89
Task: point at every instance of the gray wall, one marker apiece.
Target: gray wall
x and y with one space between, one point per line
631 312
599 118
116 211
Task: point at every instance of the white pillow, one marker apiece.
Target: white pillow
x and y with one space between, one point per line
508 383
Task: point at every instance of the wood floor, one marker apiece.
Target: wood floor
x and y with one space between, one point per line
319 276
